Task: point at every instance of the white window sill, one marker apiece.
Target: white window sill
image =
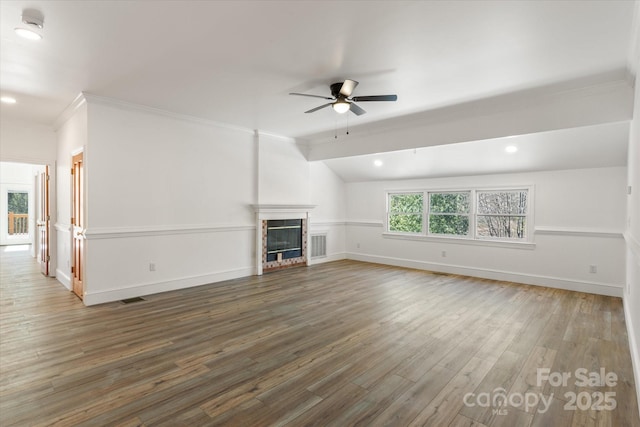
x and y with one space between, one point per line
460 240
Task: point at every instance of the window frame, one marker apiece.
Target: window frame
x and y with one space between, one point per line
471 238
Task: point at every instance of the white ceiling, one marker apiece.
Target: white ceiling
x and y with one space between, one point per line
564 149
235 62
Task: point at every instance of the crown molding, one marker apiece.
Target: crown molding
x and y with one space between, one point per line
68 112
261 133
124 105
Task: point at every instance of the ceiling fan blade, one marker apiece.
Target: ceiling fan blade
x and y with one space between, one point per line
375 98
347 87
312 96
356 110
319 108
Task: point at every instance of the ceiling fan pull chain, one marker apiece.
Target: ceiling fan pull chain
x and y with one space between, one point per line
347 125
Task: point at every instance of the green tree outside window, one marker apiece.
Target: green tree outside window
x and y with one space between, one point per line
449 213
405 212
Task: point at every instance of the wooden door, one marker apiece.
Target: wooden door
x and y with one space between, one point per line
77 224
44 222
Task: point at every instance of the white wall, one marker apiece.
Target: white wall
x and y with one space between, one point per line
632 232
168 197
283 172
149 170
579 220
27 142
72 138
328 192
168 194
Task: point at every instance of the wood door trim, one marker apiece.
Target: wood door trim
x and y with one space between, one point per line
45 212
77 223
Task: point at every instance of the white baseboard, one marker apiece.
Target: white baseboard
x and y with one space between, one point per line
508 276
110 295
63 278
634 347
329 258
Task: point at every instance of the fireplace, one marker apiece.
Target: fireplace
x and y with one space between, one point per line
284 239
284 243
281 238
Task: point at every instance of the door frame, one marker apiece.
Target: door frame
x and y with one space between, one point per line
43 239
78 224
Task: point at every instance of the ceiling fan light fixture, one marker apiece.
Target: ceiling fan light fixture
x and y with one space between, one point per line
341 106
341 100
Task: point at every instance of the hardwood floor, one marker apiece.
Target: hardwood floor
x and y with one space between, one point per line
342 343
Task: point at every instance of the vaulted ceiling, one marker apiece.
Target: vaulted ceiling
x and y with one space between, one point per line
235 62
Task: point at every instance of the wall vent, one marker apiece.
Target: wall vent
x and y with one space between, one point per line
318 245
132 300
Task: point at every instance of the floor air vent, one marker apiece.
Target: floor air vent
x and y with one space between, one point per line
318 245
131 300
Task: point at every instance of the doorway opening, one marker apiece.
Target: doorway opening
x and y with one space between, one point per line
17 214
25 219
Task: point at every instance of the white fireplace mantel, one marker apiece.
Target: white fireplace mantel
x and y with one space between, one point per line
264 211
277 211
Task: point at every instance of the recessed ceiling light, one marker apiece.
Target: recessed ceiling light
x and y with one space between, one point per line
7 100
511 149
27 33
378 163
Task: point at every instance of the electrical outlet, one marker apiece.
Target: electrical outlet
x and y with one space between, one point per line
444 254
152 266
358 245
593 269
